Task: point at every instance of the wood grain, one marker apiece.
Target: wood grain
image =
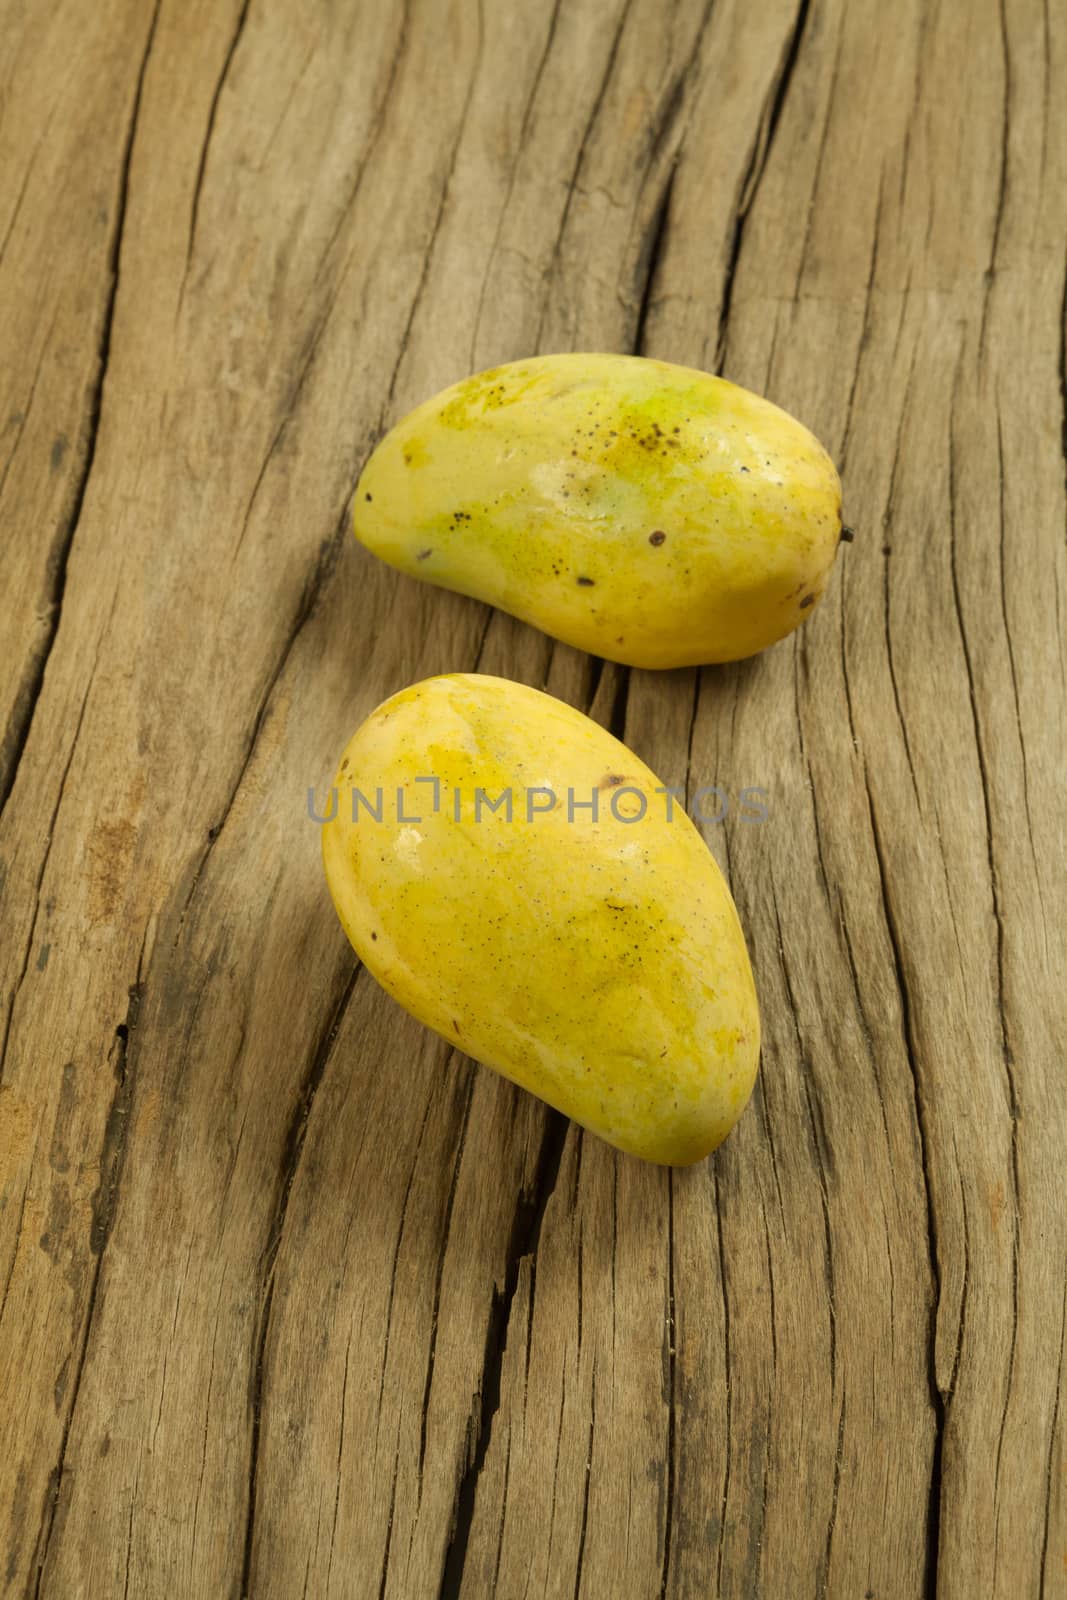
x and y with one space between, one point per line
294 1300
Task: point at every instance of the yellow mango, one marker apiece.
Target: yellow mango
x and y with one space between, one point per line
645 512
595 959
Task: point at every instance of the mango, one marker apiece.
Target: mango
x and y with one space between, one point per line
648 513
576 937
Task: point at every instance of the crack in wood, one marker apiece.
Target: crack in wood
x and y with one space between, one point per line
389 1529
820 158
29 692
129 1553
865 1028
257 1418
555 1463
23 416
585 1488
395 1264
670 1365
520 147
117 1126
965 1285
503 1516
10 1019
821 1147
620 701
207 1420
523 1242
480 651
824 1583
938 1401
1052 1446
865 330
698 677
374 133
293 1150
769 1257
577 166
198 184
889 514
337 1485
14 1250
651 253
1005 151
728 1367
326 561
768 1128
1014 675
757 166
431 1357
20 197
1062 373
1007 1054
800 659
442 205
288 411
112 1160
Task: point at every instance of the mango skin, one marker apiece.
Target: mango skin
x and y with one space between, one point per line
648 513
600 965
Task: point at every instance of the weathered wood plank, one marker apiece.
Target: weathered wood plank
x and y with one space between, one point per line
64 151
295 1299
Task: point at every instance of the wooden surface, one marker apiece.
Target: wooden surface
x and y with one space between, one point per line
294 1300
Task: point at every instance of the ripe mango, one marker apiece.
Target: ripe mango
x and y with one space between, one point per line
648 513
580 940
